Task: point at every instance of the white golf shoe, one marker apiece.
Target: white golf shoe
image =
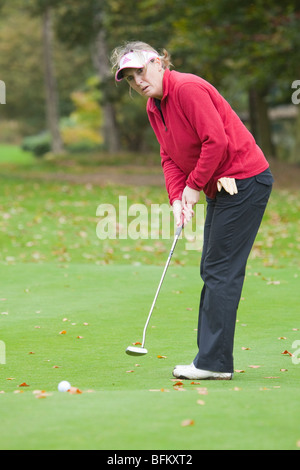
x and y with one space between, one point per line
190 372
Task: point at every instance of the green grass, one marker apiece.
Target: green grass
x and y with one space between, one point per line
56 275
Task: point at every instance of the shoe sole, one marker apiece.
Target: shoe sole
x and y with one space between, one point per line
182 377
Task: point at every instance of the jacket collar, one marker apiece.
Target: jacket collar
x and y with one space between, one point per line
166 80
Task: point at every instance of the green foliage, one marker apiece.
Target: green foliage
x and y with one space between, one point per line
82 129
236 45
21 66
37 144
77 22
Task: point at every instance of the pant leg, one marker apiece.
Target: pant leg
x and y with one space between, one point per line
232 223
208 220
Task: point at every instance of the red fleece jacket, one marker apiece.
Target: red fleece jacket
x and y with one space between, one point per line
201 138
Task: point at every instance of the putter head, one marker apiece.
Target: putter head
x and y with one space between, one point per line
134 351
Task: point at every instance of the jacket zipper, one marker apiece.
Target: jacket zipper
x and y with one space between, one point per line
157 103
163 119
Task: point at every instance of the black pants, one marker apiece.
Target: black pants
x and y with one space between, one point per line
231 225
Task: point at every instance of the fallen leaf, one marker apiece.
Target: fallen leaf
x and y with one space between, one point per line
128 371
255 367
74 391
245 349
24 384
134 344
63 332
79 337
195 383
239 371
283 370
178 384
162 357
287 353
202 391
200 402
187 422
282 337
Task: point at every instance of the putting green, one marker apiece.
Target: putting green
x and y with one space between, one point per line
74 322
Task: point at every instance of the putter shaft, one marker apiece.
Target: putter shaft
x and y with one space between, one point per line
177 234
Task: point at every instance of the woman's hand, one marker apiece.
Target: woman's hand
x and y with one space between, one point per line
228 184
190 197
177 212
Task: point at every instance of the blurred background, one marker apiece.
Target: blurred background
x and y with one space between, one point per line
61 96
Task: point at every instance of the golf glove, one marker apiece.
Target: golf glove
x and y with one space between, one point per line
228 184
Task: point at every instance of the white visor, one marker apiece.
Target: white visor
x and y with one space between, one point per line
134 60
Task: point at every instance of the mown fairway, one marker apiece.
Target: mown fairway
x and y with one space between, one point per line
70 304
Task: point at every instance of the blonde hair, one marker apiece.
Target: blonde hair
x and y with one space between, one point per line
137 46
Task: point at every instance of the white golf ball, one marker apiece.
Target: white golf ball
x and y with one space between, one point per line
64 386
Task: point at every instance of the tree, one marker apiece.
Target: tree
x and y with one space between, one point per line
42 8
82 23
255 41
50 83
103 26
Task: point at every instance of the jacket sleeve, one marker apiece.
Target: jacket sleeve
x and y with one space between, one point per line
202 112
175 178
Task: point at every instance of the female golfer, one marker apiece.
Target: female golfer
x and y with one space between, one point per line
204 146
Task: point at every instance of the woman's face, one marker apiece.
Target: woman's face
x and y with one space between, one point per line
147 81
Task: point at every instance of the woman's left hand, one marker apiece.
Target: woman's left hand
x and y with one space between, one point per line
228 184
190 197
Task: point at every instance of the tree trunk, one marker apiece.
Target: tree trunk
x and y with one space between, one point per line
101 64
260 122
52 113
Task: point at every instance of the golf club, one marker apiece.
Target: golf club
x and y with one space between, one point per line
139 351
